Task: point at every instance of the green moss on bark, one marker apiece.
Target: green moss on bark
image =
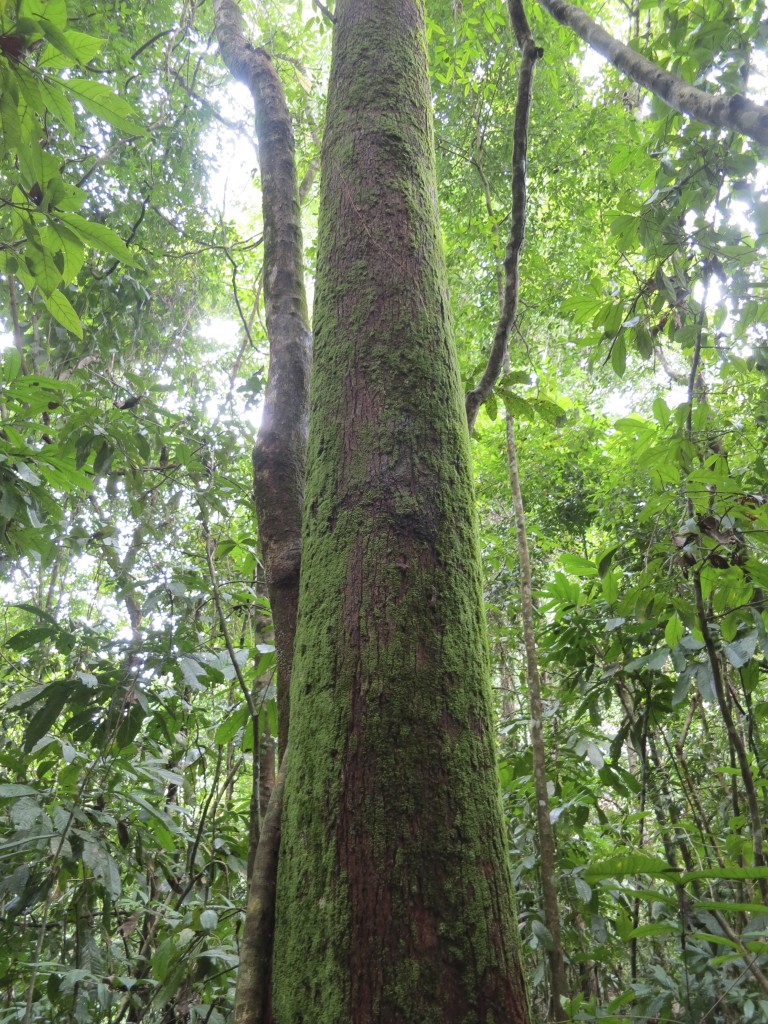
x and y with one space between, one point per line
394 899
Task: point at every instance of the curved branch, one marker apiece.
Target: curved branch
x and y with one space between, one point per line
279 452
732 112
530 54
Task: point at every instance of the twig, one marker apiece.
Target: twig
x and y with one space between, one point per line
321 7
209 548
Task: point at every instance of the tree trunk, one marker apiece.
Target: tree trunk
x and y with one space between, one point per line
555 955
394 896
278 455
278 459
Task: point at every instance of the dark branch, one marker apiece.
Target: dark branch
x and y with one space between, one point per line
530 54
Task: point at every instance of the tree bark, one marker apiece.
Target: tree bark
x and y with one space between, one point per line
252 993
394 894
279 452
278 457
731 112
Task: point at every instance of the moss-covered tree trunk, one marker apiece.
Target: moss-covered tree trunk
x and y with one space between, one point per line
394 894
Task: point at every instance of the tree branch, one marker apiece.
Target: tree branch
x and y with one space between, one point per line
530 54
732 112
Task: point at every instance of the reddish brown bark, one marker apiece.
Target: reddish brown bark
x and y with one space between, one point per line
394 894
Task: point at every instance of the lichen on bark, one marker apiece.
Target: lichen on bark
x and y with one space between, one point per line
394 894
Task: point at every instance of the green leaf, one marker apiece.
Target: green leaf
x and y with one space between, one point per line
542 933
43 719
516 406
683 685
673 632
515 377
230 727
58 103
662 928
705 682
61 309
97 235
606 558
25 697
57 38
548 410
11 790
102 102
193 672
619 355
86 47
11 364
42 267
30 91
643 341
265 663
576 565
10 118
661 411
54 10
104 867
742 650
28 638
25 812
59 238
208 920
628 864
732 872
103 459
734 908
161 959
610 587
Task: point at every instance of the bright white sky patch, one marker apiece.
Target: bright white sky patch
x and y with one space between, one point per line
590 64
234 186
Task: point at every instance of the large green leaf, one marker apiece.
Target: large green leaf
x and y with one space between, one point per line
61 309
99 236
626 865
101 101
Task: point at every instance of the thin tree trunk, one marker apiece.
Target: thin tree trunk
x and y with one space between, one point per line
394 891
723 698
732 112
278 455
279 452
734 737
252 994
555 956
508 285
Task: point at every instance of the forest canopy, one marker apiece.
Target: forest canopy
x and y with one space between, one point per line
592 301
